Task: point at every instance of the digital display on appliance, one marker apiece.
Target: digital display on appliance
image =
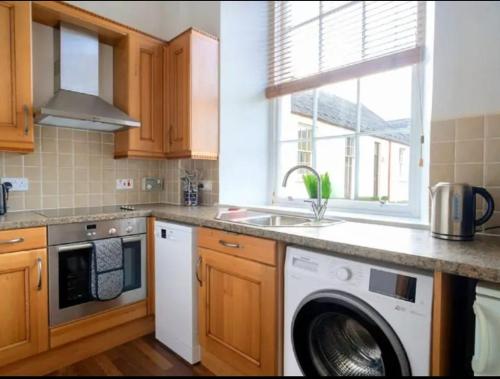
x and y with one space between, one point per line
393 285
91 227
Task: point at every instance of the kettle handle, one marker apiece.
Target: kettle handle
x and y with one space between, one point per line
489 200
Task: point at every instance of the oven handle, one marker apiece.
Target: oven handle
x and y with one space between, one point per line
133 238
78 246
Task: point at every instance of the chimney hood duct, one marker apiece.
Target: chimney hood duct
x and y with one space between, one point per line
76 102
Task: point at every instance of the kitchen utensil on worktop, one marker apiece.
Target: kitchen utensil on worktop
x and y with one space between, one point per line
453 210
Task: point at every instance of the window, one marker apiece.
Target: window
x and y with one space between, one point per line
345 76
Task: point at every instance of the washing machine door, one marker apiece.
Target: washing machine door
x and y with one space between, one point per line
337 334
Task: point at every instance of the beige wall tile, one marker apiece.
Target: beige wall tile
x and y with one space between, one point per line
49 173
442 152
33 160
11 159
33 173
469 151
82 201
49 202
495 193
469 173
66 201
493 150
33 202
65 146
50 188
48 132
469 128
493 174
492 126
64 134
77 169
49 146
14 171
443 131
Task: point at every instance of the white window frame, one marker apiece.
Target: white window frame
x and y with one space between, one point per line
412 209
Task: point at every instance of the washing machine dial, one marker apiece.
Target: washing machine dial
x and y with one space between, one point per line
344 274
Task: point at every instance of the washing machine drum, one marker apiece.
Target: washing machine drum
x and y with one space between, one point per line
337 334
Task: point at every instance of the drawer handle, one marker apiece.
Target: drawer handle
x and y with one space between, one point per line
170 141
230 244
198 265
39 263
26 111
15 240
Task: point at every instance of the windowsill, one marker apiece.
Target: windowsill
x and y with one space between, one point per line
347 216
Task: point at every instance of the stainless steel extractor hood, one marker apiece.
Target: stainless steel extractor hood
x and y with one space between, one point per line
76 102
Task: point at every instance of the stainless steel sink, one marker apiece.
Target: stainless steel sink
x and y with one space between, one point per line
276 220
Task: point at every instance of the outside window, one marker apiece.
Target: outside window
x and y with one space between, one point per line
361 124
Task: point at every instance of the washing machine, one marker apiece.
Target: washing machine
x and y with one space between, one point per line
347 317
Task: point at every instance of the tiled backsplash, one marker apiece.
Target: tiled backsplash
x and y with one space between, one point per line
73 168
468 150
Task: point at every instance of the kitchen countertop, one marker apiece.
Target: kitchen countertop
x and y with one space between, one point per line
479 259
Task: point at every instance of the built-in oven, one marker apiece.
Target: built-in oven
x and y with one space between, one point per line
70 254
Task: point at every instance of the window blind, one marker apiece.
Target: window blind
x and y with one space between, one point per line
313 43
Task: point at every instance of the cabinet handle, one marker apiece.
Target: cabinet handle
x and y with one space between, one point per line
229 244
26 111
15 240
170 135
39 263
198 265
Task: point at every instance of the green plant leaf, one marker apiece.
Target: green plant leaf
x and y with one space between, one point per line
311 184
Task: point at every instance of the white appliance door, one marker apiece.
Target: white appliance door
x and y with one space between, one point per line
486 361
176 289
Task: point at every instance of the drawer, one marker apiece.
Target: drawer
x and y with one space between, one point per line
252 248
22 239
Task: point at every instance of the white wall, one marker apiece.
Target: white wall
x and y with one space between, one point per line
244 111
163 19
466 59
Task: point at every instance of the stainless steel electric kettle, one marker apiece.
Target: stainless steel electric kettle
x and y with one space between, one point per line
453 210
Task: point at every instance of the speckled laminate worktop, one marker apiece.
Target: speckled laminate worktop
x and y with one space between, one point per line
479 259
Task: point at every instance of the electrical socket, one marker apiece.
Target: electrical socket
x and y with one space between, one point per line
124 184
207 185
18 184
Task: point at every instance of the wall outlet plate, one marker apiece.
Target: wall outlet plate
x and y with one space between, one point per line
207 185
151 184
18 184
124 184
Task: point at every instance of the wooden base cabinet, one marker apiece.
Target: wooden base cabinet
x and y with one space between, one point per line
24 305
238 312
16 100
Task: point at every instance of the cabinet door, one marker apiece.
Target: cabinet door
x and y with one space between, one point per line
178 96
24 305
148 103
237 310
16 120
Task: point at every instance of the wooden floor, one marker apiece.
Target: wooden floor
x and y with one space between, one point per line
142 357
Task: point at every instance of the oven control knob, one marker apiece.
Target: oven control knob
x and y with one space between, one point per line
344 274
129 229
89 234
112 231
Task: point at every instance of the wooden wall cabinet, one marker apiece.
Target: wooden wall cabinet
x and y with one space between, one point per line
24 305
238 304
138 90
192 96
16 101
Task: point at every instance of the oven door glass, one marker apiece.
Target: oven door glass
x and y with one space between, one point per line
74 277
132 264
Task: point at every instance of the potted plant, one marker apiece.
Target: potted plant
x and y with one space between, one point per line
311 184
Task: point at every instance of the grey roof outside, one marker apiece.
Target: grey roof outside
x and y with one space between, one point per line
340 112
